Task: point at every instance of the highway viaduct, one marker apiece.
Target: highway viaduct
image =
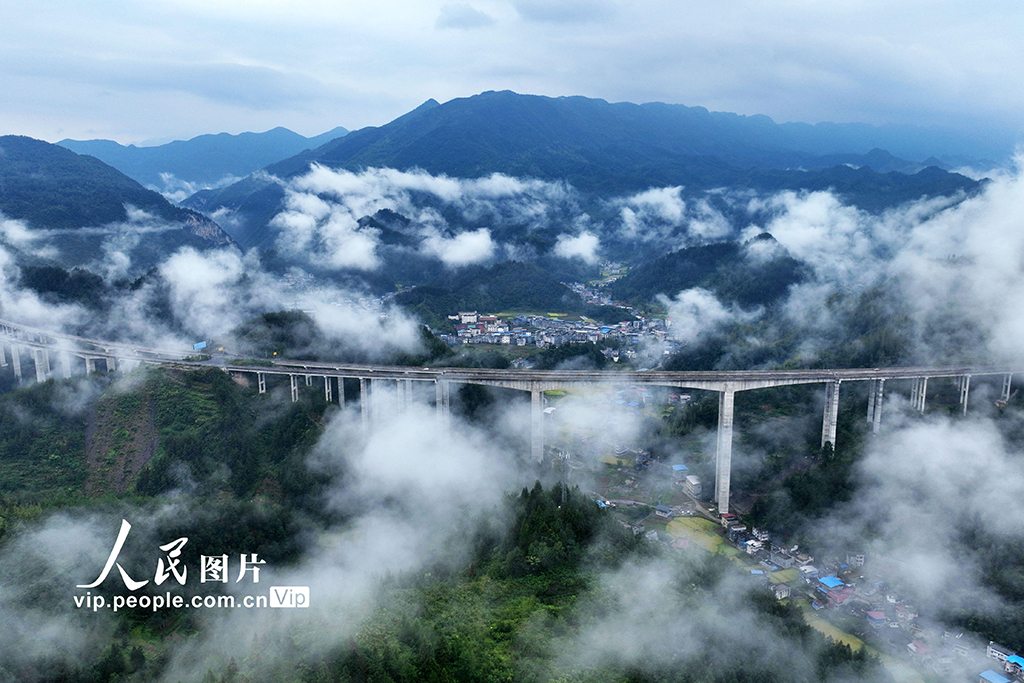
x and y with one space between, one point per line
43 345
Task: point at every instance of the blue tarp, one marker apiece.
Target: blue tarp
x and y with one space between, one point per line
680 468
199 345
831 581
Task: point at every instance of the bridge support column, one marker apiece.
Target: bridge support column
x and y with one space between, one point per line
65 364
261 382
831 416
111 364
3 357
309 380
37 359
327 389
407 393
364 402
16 362
965 390
875 394
723 455
90 366
918 393
537 424
443 402
1004 394
341 392
295 387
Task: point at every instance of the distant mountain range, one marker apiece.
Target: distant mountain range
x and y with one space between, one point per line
205 160
604 150
59 194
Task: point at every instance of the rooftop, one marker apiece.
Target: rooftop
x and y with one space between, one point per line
993 677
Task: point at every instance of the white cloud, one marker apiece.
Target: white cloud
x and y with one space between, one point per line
463 249
584 246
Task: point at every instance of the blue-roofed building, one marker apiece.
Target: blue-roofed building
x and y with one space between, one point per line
831 581
992 677
680 468
1015 666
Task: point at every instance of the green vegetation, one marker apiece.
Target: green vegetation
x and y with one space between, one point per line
735 272
52 187
510 285
294 334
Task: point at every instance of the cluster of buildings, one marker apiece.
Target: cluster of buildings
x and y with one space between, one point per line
1012 665
544 331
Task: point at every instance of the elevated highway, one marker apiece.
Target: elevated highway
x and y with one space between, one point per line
73 352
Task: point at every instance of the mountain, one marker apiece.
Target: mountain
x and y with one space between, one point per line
203 160
506 286
58 193
755 273
601 149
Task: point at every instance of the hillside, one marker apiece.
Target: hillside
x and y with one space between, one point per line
205 159
507 286
55 190
601 149
752 274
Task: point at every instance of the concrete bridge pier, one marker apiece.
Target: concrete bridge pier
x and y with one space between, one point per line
111 364
341 392
3 357
918 393
42 364
537 423
876 392
364 403
309 380
261 382
65 364
443 402
965 390
723 455
831 417
294 381
1004 394
406 391
16 362
327 389
90 366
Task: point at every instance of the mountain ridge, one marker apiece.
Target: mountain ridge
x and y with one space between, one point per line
204 159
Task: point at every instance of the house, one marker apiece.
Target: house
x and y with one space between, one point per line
761 534
830 582
998 652
693 486
876 618
809 572
855 559
782 591
1015 666
782 558
679 472
992 677
663 511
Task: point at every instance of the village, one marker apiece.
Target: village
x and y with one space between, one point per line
851 597
544 331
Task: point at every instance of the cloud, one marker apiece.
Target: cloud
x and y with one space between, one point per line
323 208
661 216
584 246
463 249
697 312
462 16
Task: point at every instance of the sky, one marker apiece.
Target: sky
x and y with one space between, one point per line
148 71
